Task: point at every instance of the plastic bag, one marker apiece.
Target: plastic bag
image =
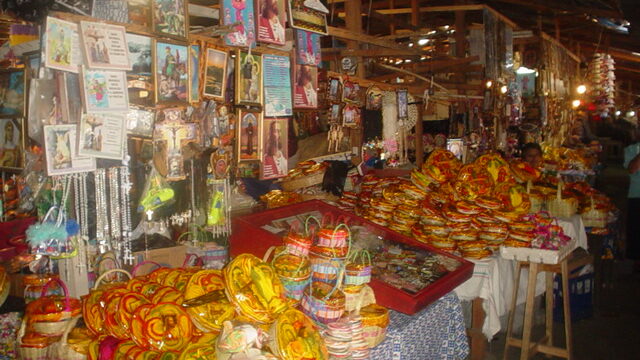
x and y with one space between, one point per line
157 193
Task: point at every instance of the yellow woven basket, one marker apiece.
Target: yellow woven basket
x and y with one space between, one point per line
562 208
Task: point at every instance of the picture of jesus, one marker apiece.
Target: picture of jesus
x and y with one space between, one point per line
271 21
305 94
274 159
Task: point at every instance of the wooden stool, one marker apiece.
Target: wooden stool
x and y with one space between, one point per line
544 345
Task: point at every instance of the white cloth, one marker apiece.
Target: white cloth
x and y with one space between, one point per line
493 280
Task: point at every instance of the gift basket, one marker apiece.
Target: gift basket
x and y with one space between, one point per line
49 314
562 207
294 271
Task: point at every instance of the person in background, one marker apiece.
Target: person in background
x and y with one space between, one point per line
532 154
632 164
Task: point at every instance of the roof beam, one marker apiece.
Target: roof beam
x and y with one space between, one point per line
352 35
556 6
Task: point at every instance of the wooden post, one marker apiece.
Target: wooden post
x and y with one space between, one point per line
461 33
353 21
419 131
415 13
392 24
557 24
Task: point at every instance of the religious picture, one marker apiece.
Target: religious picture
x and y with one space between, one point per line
249 79
45 106
80 7
61 48
215 74
170 18
194 74
102 135
334 89
277 85
351 116
272 17
172 73
60 151
351 92
140 78
403 104
12 93
105 90
68 90
32 63
249 126
308 47
172 129
274 148
240 15
305 18
140 122
527 84
11 146
112 10
140 12
334 116
305 93
219 162
105 46
374 98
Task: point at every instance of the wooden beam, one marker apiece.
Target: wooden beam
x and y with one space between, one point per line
363 38
555 6
629 69
376 52
615 52
418 76
415 13
558 43
443 64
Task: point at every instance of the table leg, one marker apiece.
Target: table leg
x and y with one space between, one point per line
478 340
564 266
549 308
528 311
512 309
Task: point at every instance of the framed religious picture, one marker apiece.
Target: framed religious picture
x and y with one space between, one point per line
140 12
334 115
374 98
249 79
140 122
306 18
105 90
308 48
60 151
240 14
12 95
351 116
305 93
68 90
12 143
272 16
105 46
45 106
172 129
172 72
351 92
335 86
194 73
62 48
274 148
403 104
215 75
112 10
32 61
219 162
170 18
277 85
249 127
140 84
102 135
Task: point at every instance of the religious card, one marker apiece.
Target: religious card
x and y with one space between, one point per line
62 48
12 95
249 127
248 79
240 15
172 72
11 143
60 151
277 85
194 73
403 104
140 122
272 16
275 133
305 94
308 48
172 129
105 46
102 135
105 90
140 12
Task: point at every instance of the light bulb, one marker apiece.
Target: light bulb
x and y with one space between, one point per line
575 103
581 89
423 41
631 113
618 113
489 84
503 89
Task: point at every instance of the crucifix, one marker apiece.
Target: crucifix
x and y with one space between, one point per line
176 134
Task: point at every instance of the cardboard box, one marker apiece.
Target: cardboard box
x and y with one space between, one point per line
172 257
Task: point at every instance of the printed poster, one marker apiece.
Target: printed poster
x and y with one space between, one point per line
277 85
62 45
105 90
308 45
102 135
272 17
239 12
105 46
60 151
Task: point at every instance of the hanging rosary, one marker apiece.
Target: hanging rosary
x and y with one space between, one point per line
102 223
125 189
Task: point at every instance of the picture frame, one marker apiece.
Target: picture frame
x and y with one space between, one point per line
12 142
102 135
104 46
140 12
276 82
248 89
274 136
68 90
305 93
104 90
351 116
112 10
140 122
239 11
215 74
334 90
172 129
335 113
272 17
307 47
402 98
350 92
62 45
60 151
171 64
194 72
249 128
32 62
12 93
373 98
140 84
170 20
305 18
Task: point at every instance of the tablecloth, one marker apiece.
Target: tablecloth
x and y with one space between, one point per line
493 280
436 332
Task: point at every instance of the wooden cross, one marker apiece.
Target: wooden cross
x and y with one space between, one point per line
176 134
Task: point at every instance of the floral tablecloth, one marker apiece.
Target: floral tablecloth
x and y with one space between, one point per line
436 332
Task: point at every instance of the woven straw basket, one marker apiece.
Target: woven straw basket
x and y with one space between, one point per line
562 208
595 217
303 181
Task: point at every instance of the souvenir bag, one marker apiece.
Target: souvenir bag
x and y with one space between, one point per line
375 320
55 238
156 194
212 254
294 271
50 314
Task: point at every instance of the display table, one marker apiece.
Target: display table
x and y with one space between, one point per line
436 332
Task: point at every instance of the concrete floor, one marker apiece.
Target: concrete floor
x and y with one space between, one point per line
614 330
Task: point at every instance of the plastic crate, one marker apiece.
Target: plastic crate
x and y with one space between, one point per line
581 301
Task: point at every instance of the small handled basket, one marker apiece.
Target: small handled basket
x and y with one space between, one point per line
40 351
52 324
323 302
594 217
358 269
62 350
537 201
294 272
328 262
562 208
297 243
375 318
